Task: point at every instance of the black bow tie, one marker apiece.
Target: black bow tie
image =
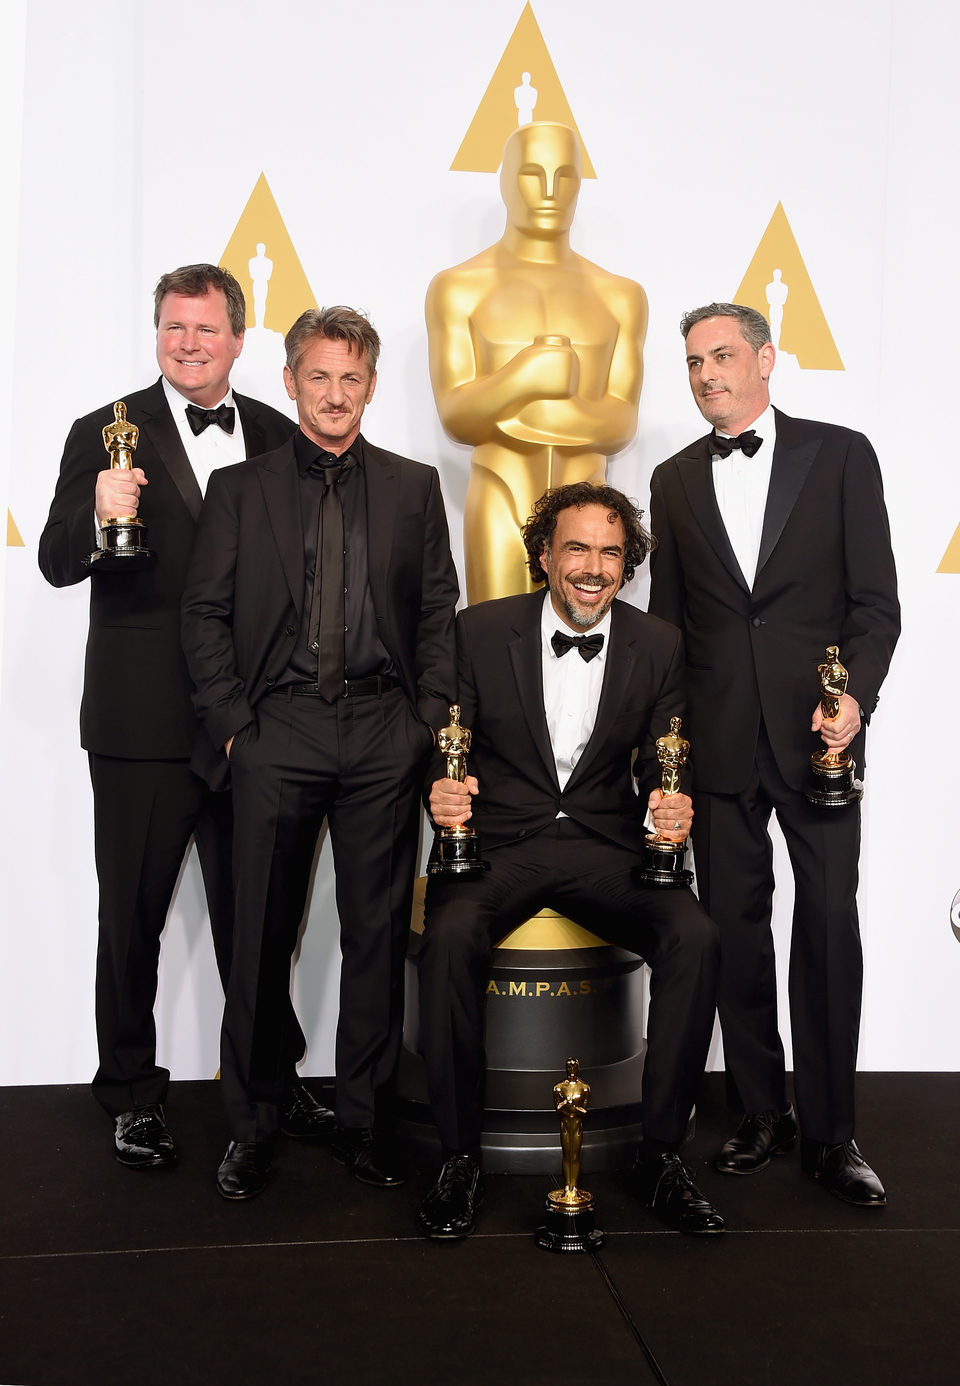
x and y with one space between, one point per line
199 419
588 645
747 442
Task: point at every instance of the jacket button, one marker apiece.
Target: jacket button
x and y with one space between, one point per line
289 630
755 621
270 680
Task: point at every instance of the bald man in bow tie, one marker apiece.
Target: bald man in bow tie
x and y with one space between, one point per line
772 545
136 719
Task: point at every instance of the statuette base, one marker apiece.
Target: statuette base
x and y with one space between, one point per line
122 547
663 867
458 854
569 1227
832 786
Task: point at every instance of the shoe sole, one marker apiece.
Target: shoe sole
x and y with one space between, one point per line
160 1162
445 1236
853 1202
239 1197
377 1183
783 1149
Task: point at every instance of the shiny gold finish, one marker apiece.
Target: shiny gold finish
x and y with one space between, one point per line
673 751
832 781
120 440
833 684
536 357
454 742
457 848
570 1097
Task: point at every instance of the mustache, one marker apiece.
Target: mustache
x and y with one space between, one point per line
595 579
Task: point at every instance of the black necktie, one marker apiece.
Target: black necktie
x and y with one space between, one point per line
588 645
199 419
748 443
326 612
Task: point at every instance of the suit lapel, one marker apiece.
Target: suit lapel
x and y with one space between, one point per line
254 438
166 440
525 658
792 460
696 476
279 483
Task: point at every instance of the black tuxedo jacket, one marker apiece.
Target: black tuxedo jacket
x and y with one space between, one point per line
501 697
825 576
245 589
136 690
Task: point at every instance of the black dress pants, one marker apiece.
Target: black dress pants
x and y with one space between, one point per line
734 860
144 815
358 764
589 879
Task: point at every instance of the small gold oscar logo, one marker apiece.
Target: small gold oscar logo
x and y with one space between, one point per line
525 87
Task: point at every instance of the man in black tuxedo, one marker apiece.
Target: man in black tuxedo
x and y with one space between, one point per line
552 794
136 720
773 543
318 628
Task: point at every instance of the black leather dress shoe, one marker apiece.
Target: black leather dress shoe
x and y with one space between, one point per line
370 1159
142 1140
449 1211
759 1135
665 1186
843 1171
243 1170
303 1117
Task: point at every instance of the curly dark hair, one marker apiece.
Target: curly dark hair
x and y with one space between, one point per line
539 530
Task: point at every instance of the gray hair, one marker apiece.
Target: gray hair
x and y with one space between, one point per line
754 328
337 324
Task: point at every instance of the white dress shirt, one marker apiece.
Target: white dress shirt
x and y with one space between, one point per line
212 448
571 689
741 484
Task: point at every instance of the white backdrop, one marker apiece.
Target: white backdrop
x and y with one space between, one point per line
145 128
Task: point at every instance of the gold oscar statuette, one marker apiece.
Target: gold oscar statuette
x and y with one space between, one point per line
121 541
457 849
569 1222
831 782
662 865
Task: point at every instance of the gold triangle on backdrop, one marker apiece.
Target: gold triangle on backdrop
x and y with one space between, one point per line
14 539
950 562
778 265
288 291
496 116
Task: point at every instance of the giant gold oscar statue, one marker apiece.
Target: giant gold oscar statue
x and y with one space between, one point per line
536 358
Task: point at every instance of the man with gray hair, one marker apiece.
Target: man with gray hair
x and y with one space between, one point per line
773 544
318 629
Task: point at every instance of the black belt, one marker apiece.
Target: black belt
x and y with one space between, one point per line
352 688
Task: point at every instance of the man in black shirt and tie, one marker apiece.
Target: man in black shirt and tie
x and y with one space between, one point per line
136 721
318 628
551 790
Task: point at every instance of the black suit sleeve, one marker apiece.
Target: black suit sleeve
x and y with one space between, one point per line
871 624
70 534
668 598
207 615
434 641
670 702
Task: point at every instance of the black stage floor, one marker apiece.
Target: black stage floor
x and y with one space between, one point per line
114 1277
